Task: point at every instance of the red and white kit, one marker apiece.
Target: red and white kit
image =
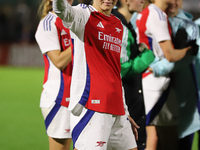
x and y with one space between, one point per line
153 27
96 81
52 35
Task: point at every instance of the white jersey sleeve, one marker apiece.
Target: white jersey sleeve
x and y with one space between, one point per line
158 25
74 18
47 35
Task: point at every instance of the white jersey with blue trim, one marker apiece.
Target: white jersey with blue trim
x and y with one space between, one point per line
152 28
52 35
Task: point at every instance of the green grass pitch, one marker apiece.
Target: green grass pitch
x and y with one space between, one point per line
21 125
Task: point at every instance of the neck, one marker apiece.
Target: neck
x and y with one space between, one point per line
127 15
105 12
161 5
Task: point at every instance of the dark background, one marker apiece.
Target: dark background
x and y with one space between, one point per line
19 20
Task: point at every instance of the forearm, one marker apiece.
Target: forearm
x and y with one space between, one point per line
172 54
74 17
65 58
177 55
60 59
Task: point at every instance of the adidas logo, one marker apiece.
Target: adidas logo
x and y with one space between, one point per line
63 32
100 25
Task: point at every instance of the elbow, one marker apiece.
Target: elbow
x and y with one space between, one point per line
59 66
170 59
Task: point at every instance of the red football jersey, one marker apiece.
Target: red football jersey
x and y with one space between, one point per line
96 80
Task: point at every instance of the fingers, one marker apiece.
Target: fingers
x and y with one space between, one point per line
142 46
150 69
135 133
134 127
133 123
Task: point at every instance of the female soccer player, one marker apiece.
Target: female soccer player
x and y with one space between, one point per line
54 41
96 101
155 32
185 72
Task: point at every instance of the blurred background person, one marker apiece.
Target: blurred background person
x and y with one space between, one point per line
134 60
134 16
154 30
54 41
182 73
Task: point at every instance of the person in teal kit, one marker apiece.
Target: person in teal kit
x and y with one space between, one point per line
184 73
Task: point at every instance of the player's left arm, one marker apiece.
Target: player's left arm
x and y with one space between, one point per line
133 124
60 59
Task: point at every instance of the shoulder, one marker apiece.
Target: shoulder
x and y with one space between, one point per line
83 8
125 29
127 34
49 17
157 13
184 19
152 12
145 12
188 15
47 27
47 22
113 17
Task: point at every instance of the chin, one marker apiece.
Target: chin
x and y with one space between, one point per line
107 8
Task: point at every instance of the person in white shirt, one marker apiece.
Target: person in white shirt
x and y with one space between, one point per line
154 30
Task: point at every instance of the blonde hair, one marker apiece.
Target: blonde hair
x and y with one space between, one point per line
147 2
44 8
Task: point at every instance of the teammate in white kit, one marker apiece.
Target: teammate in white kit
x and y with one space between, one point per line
98 119
154 30
54 41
